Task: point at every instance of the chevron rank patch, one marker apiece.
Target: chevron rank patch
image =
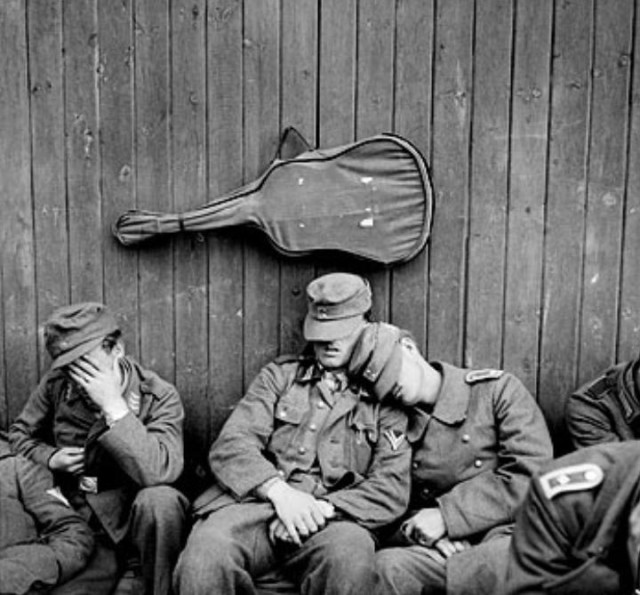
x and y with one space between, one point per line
395 438
574 478
480 375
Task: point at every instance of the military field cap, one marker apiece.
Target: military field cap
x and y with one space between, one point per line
337 302
377 357
74 330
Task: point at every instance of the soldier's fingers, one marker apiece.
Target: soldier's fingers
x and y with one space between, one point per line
91 364
445 547
318 518
460 545
293 533
78 376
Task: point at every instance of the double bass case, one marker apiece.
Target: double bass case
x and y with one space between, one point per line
371 198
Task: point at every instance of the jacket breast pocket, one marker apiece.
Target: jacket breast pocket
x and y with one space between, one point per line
363 437
289 414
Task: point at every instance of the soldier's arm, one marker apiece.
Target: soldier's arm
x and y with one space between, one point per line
150 451
539 548
31 433
65 543
237 456
588 421
383 495
523 445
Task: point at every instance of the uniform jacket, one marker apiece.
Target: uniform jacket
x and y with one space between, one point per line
474 456
606 409
142 449
570 535
342 447
43 542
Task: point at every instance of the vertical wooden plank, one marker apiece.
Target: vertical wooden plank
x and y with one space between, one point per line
489 183
18 283
412 119
607 159
336 85
153 181
189 96
629 330
563 250
4 400
83 165
451 124
376 42
527 179
115 70
48 160
261 132
225 110
299 75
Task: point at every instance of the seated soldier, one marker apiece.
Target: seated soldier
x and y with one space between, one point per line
606 409
43 542
111 432
478 436
307 467
578 530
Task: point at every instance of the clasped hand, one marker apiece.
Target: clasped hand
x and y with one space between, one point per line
298 514
427 528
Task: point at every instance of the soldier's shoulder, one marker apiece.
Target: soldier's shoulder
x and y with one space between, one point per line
483 375
575 477
598 387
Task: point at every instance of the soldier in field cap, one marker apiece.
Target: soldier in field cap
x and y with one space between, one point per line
478 436
111 433
308 467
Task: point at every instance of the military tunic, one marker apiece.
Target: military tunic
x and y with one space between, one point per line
474 455
126 470
142 449
43 542
571 531
606 409
339 445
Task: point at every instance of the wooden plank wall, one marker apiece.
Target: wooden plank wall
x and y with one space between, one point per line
528 113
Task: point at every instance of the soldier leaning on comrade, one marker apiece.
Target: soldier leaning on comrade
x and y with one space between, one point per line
478 437
111 432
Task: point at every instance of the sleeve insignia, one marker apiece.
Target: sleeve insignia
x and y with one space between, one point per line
575 478
480 375
395 438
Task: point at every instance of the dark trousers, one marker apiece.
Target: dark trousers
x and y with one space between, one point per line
230 547
157 530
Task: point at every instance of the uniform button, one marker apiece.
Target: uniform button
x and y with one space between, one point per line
280 472
320 405
415 464
302 450
477 463
283 413
426 492
313 427
466 437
